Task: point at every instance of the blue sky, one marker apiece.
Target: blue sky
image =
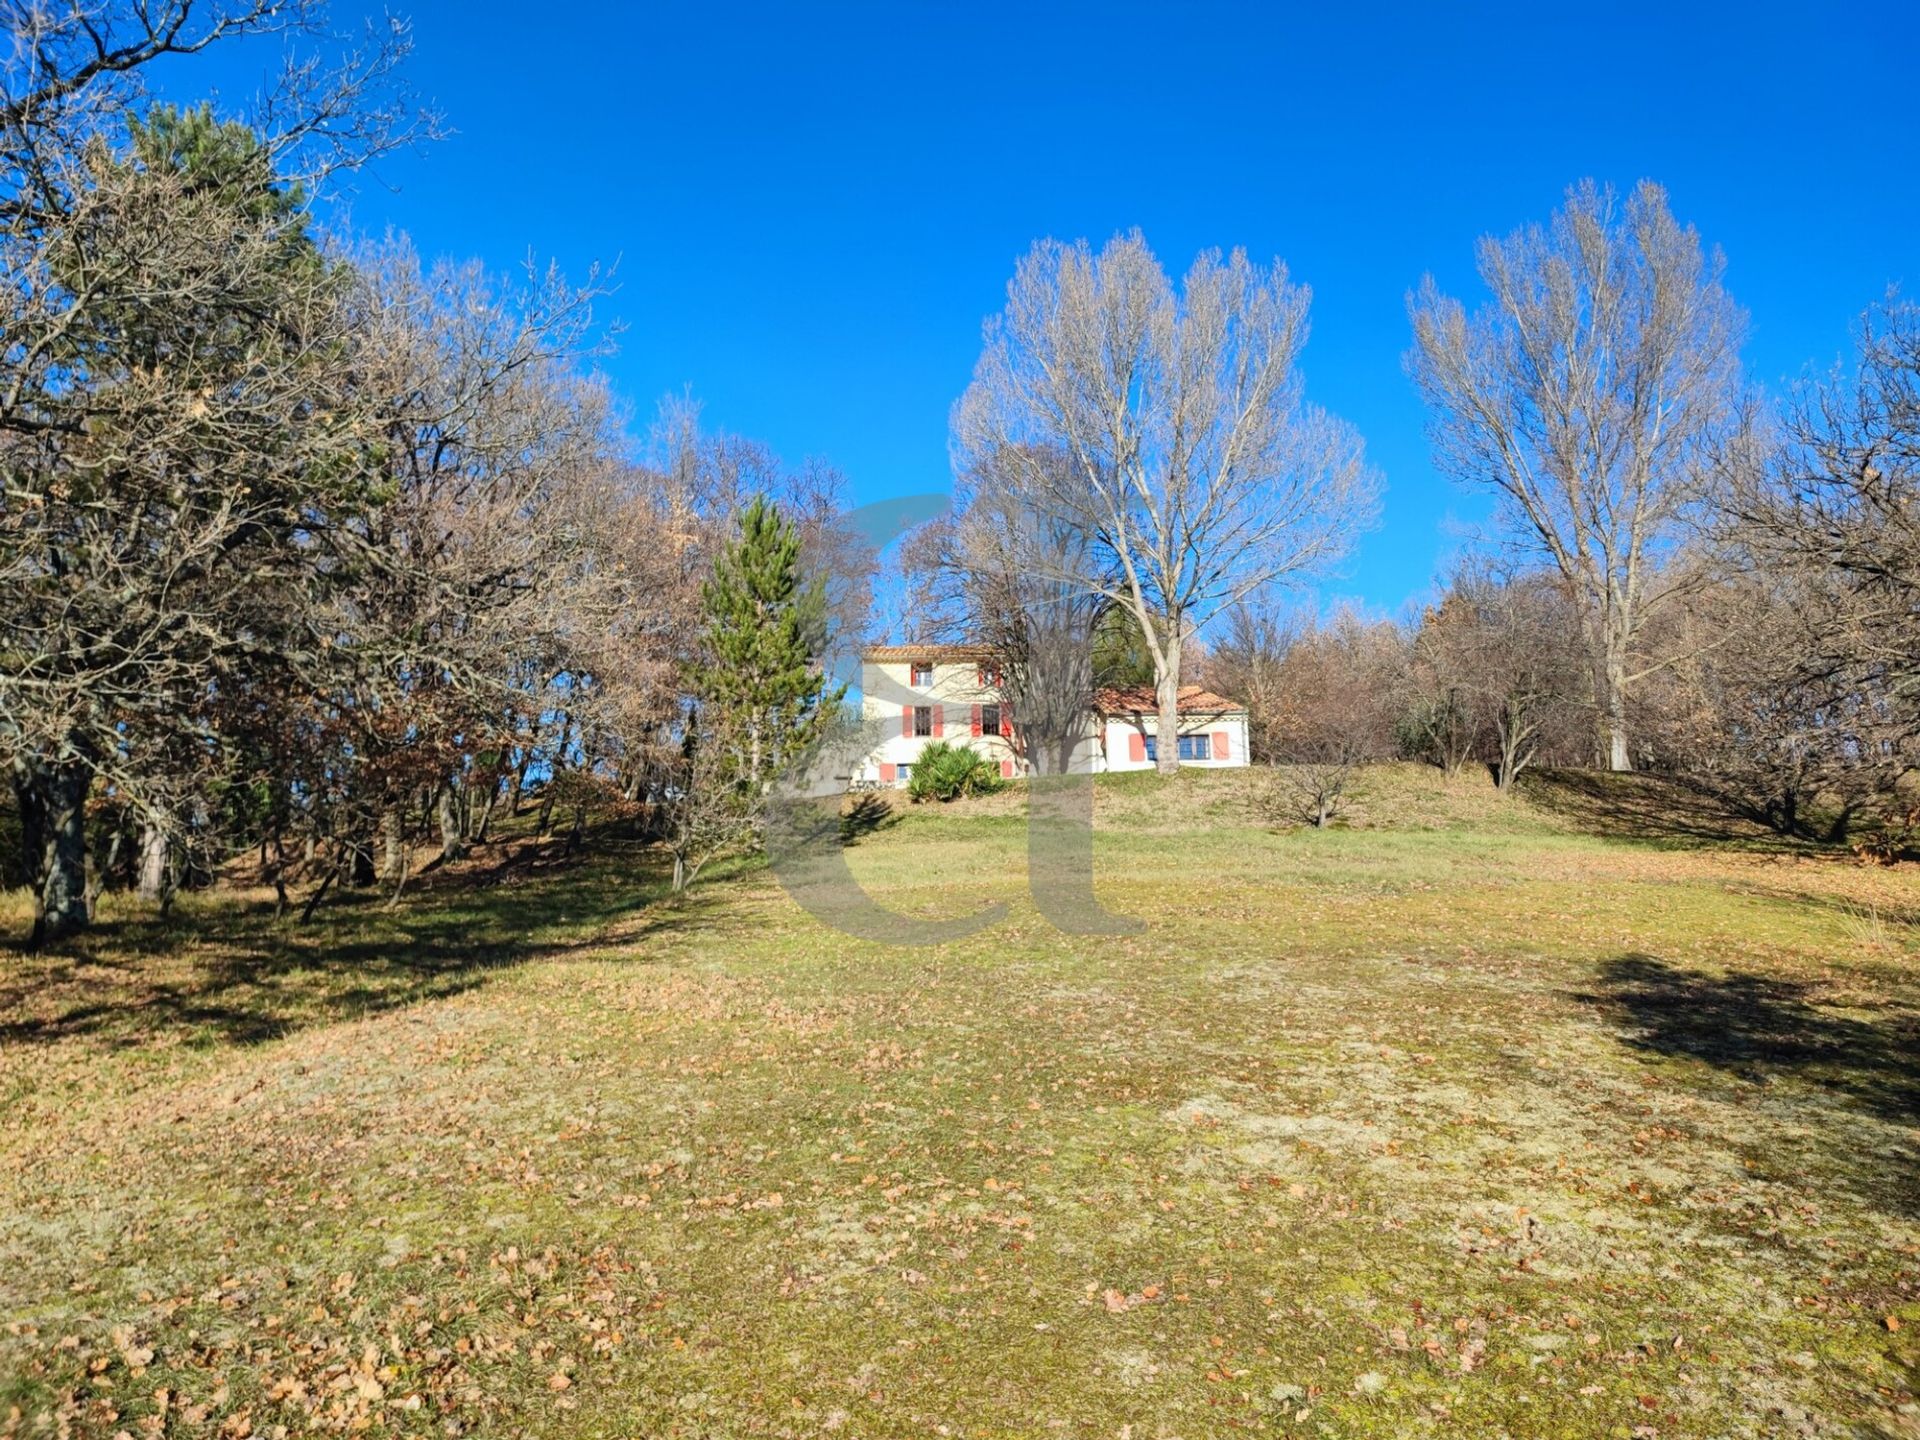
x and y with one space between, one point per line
813 207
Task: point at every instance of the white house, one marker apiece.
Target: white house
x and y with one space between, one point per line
913 694
1212 731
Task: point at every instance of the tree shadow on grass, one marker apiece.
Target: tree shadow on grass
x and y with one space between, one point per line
1775 1033
1763 1028
1657 809
867 815
225 972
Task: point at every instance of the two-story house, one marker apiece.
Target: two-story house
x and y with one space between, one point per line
913 694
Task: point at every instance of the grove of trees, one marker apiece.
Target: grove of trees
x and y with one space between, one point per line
314 550
311 548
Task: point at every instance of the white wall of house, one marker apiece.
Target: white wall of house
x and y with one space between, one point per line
1124 740
956 699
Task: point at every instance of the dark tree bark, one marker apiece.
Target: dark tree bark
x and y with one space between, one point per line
53 800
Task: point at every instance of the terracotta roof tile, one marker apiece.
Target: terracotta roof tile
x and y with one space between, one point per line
1120 700
934 653
1140 699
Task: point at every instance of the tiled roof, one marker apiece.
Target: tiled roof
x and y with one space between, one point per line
1140 699
1121 700
935 653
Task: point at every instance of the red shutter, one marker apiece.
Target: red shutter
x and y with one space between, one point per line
1006 769
1136 746
939 716
906 722
976 720
1222 750
887 773
1006 721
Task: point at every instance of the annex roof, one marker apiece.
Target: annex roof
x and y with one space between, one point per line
1140 700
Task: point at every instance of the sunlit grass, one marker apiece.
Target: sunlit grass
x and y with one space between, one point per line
1461 1121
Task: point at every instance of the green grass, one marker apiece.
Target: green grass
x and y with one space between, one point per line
1463 1120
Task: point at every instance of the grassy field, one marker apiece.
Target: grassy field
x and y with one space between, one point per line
1466 1120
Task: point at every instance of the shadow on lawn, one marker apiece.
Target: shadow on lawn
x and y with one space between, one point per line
1762 1029
1657 808
227 973
866 816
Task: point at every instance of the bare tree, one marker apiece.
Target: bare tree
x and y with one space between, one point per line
1248 664
1338 683
1831 492
1439 715
1589 394
494 452
161 452
174 432
1005 569
1811 688
1755 710
1196 466
1519 652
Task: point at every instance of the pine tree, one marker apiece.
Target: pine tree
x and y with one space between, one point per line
764 695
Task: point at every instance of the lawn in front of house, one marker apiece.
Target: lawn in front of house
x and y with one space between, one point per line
1463 1121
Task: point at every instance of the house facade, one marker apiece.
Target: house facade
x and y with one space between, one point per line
914 694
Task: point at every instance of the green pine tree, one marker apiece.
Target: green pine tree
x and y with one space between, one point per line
764 696
1120 654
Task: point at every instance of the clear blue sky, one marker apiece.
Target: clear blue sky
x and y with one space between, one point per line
814 206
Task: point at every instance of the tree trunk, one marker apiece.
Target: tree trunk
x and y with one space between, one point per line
393 844
313 900
97 878
1513 732
452 838
486 813
361 870
1618 758
154 845
1166 745
53 800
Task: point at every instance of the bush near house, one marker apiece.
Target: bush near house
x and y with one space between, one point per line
952 772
